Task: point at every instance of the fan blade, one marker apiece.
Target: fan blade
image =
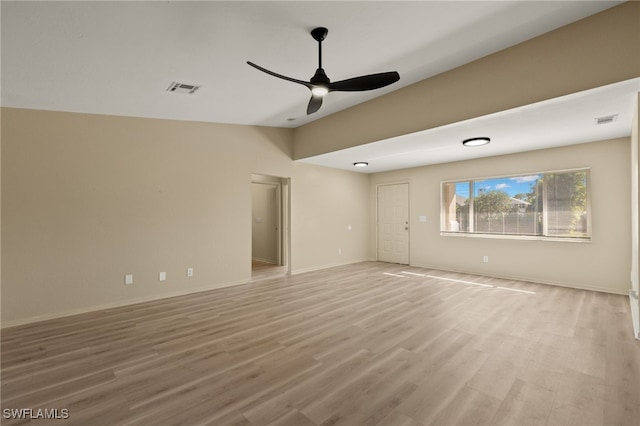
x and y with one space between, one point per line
314 104
284 77
366 82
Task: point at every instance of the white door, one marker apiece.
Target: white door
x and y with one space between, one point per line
393 223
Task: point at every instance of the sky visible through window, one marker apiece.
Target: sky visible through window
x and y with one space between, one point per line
511 185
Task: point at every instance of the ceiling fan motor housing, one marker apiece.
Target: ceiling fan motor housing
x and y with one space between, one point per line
320 78
319 33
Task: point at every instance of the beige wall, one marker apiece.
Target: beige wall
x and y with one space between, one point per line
87 199
598 50
338 199
603 264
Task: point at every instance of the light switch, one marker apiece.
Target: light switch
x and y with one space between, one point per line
423 218
128 279
163 276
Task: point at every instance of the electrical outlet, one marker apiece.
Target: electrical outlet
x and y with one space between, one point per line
163 276
485 259
189 272
128 279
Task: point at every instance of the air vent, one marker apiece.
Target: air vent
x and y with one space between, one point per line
183 88
606 119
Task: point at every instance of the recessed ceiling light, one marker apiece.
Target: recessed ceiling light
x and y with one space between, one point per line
361 164
476 141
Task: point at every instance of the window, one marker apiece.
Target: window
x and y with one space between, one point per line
547 205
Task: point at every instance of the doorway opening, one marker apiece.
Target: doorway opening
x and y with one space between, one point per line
270 235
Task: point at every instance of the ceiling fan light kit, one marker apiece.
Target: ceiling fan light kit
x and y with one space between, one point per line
320 84
319 91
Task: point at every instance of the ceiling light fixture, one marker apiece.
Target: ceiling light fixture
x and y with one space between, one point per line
319 91
361 164
476 141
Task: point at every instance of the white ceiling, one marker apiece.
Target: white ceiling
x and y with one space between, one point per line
567 120
118 58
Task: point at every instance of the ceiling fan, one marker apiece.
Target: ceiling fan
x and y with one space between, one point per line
320 84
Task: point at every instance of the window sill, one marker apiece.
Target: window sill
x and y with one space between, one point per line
516 237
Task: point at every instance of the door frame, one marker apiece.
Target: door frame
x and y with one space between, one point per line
276 211
283 211
408 183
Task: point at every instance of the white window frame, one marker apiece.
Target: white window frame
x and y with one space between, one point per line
544 236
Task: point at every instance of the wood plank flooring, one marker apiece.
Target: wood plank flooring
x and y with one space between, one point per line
263 270
364 344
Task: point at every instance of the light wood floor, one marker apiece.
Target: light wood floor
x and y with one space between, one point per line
365 344
263 270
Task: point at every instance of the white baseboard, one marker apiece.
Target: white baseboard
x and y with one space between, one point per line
633 298
118 304
39 318
333 265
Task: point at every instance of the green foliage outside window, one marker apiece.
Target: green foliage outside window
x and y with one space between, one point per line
552 204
